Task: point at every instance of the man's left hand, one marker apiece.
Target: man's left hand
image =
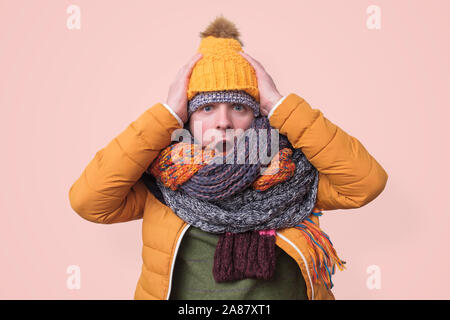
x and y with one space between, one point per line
268 93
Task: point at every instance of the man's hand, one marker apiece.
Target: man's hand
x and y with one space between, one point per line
268 93
177 97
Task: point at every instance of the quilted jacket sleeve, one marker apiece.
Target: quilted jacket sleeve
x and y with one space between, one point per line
109 189
349 177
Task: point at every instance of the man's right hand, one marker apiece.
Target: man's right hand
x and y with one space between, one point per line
177 97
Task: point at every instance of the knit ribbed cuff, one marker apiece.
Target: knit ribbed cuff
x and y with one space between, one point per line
174 114
275 106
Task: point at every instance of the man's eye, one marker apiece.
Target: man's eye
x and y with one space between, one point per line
205 108
239 107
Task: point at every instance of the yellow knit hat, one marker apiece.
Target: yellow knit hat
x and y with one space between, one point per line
222 67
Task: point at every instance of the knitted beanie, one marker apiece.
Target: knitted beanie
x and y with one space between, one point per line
222 74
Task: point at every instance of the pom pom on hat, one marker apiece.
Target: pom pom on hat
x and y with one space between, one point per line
222 28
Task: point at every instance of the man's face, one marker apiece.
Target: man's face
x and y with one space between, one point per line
210 122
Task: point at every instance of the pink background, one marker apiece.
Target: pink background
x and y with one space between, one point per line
64 94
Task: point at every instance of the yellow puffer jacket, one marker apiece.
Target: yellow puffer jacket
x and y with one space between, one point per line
110 189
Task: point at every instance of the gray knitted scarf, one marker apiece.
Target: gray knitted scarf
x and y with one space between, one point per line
282 205
243 216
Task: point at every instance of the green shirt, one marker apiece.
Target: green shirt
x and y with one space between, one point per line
193 278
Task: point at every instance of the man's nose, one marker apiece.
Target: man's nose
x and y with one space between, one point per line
223 120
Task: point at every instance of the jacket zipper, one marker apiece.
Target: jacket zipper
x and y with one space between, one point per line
304 260
174 257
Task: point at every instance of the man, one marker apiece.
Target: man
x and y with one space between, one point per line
206 233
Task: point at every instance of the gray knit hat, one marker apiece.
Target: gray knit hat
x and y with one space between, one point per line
228 96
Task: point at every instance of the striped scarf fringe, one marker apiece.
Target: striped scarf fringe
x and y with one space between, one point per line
321 250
